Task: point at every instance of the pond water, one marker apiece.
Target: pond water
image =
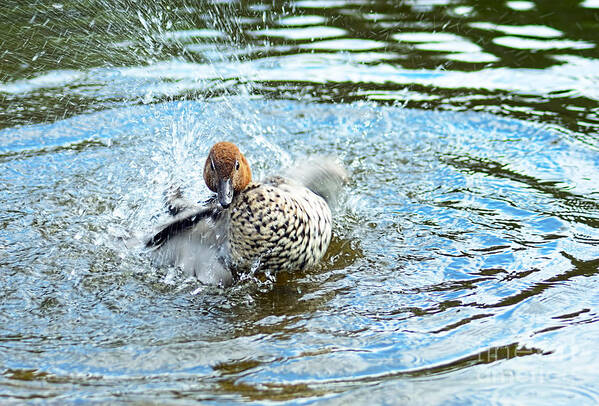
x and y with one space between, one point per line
464 266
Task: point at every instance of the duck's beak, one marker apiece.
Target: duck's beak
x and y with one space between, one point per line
225 192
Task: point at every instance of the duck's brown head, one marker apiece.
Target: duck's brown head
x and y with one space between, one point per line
226 172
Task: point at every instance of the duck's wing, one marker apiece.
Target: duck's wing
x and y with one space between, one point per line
324 176
183 222
174 201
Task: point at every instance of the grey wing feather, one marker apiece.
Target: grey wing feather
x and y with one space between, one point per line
324 176
182 222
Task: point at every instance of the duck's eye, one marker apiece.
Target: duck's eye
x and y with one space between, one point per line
236 165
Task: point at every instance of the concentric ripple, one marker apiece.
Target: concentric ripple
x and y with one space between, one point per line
464 252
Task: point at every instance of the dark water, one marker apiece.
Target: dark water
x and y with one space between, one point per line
464 262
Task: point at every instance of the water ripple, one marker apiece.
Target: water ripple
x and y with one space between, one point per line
463 267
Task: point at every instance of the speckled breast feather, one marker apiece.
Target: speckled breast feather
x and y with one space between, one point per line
278 225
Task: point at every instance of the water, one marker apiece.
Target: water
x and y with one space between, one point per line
463 267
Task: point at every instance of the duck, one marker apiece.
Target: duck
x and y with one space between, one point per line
283 223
